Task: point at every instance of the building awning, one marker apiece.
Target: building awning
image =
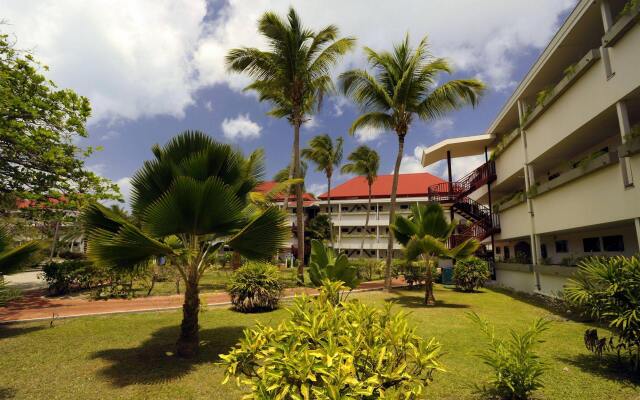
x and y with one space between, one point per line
459 147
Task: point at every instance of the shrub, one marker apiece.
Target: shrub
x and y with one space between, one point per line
328 351
606 289
414 272
470 274
324 264
368 268
72 275
255 287
516 367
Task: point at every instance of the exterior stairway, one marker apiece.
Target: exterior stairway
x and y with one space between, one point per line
483 222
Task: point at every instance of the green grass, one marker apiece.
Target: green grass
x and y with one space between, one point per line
129 356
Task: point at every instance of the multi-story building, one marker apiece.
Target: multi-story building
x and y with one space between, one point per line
349 208
565 152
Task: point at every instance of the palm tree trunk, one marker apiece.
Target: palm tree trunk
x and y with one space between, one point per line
429 298
366 223
189 339
392 211
54 240
299 205
329 205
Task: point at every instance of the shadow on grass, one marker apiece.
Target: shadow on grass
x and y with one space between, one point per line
154 360
605 366
417 301
7 393
8 331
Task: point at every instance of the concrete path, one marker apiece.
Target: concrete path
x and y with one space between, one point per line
34 306
26 280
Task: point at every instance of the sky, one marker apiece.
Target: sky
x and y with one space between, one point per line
154 68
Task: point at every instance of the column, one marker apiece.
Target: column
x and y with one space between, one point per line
607 22
339 225
637 224
625 129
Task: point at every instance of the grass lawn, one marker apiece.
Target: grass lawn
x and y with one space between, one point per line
129 356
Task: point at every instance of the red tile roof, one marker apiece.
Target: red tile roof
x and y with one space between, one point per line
265 187
409 185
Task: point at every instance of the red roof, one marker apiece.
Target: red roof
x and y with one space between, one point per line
409 185
265 187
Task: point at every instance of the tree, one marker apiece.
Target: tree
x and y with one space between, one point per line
325 155
364 162
404 86
425 234
38 126
282 176
13 259
324 264
293 75
318 228
192 199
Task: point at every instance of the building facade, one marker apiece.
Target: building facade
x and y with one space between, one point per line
565 149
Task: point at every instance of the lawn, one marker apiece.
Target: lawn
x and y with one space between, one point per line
129 356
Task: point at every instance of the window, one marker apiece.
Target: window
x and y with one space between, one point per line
507 253
380 208
345 208
344 230
613 243
543 250
591 245
404 207
497 250
562 246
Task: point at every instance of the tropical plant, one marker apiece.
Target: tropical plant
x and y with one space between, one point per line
425 234
328 351
470 274
607 289
255 287
318 227
324 264
325 155
12 259
282 175
293 75
544 95
517 369
364 162
192 199
404 86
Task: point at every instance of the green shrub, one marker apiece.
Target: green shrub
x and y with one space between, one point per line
414 272
324 264
328 351
470 274
73 275
607 289
368 268
517 370
255 287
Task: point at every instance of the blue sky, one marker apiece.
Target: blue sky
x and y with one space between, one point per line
155 68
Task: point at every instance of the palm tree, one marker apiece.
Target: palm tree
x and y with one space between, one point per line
403 87
13 259
192 199
425 234
364 162
294 76
325 155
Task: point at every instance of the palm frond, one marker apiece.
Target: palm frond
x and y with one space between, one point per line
14 259
262 236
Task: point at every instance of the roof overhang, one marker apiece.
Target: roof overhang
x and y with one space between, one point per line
459 147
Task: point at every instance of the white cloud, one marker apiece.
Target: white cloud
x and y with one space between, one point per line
208 105
240 127
459 166
97 169
317 188
368 134
339 104
149 57
110 135
312 123
441 126
125 190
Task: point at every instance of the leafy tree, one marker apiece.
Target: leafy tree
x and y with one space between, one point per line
364 162
38 125
404 86
318 227
607 289
325 155
324 264
425 234
192 199
471 274
293 75
14 258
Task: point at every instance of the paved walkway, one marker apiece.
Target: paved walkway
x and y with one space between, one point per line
35 306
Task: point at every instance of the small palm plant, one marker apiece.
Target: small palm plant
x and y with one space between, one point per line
425 234
364 162
404 86
293 75
192 199
325 265
326 155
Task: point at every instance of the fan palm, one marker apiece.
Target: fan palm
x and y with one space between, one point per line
425 234
13 259
192 199
325 155
364 162
404 86
293 75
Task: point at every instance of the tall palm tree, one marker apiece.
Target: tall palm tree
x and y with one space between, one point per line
325 155
404 86
364 162
425 234
192 199
12 259
293 75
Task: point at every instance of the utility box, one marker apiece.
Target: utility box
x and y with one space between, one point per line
447 275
